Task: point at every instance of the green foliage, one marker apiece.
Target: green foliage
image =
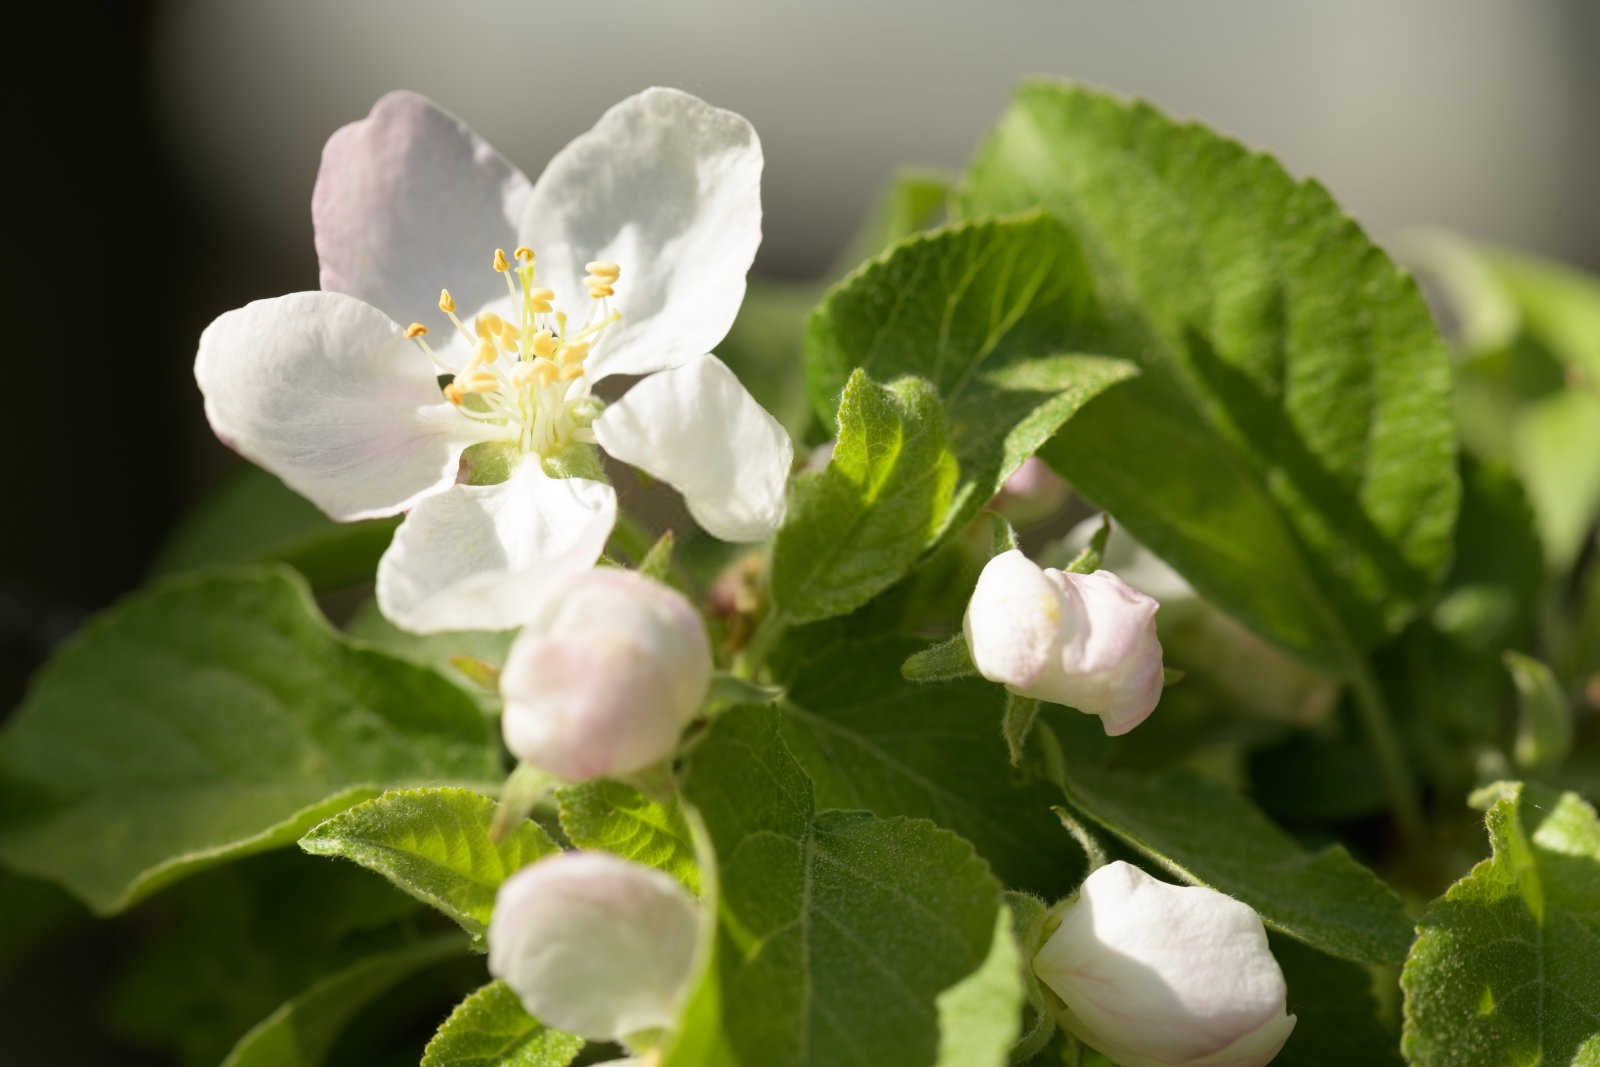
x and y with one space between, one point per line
435 845
859 525
490 1029
868 740
1506 966
1336 1018
1289 446
615 817
438 650
301 1032
210 717
255 518
997 315
843 937
1209 835
1544 725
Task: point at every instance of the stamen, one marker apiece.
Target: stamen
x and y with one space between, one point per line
454 394
415 330
539 300
481 381
571 371
447 303
524 254
488 325
602 276
501 264
575 353
486 353
543 344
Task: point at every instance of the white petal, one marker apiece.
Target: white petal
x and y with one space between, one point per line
324 391
697 429
483 557
669 188
1013 623
594 944
408 201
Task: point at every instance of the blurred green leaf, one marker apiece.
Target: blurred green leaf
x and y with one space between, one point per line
209 717
1544 722
615 817
490 1029
1336 1017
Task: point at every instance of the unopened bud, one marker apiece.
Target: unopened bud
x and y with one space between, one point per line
1032 493
595 944
600 683
1159 975
1087 641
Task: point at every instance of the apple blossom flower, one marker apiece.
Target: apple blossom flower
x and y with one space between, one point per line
1159 975
1087 641
629 257
604 677
595 944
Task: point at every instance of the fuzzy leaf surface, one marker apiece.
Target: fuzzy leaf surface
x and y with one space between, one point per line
490 1029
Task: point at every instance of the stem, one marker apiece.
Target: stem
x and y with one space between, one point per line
767 632
1386 746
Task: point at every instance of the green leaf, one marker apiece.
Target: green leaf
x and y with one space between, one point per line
657 562
1497 577
1021 712
255 518
1088 561
1555 446
997 315
1506 966
437 650
210 717
434 844
1544 723
490 1029
1336 1017
859 525
940 663
935 751
1208 835
300 1033
844 938
609 815
1289 447
1028 917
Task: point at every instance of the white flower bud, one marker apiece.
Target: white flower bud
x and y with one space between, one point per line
1032 492
1159 975
595 944
606 675
1087 641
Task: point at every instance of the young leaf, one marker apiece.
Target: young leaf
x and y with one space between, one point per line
1544 723
210 717
939 663
1018 724
609 815
869 740
997 315
490 1029
1209 835
1289 446
844 938
1506 966
434 844
300 1033
859 525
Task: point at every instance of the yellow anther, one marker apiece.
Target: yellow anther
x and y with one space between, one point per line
539 300
488 325
524 253
603 268
486 353
447 303
522 374
574 354
599 290
509 335
500 262
454 393
539 372
571 371
543 344
416 330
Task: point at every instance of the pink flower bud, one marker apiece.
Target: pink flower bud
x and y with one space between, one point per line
1159 975
1033 492
1087 641
595 944
606 675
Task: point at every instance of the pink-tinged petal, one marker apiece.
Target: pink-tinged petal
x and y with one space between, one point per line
325 392
484 557
595 944
409 201
696 428
669 188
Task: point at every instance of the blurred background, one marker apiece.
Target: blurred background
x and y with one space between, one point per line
162 156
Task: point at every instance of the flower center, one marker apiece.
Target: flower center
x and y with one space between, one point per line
527 375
